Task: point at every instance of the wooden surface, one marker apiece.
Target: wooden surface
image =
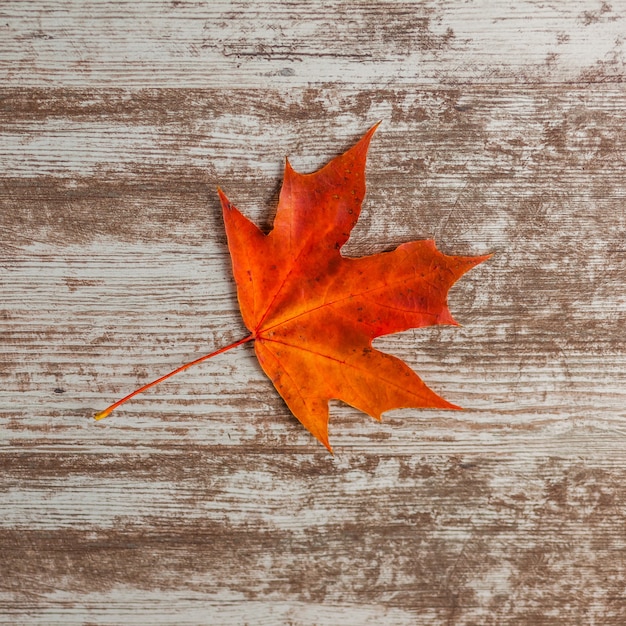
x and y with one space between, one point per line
204 501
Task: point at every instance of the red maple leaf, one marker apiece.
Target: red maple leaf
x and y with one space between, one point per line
313 313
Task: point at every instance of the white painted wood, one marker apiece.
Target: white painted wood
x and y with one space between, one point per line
204 501
277 43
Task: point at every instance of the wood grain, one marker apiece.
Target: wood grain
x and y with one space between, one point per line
225 43
204 501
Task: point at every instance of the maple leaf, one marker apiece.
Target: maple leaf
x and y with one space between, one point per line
313 313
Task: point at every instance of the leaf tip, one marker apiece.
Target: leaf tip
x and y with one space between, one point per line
371 131
289 173
482 258
101 415
223 199
324 440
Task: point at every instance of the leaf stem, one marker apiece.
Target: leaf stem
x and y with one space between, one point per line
108 410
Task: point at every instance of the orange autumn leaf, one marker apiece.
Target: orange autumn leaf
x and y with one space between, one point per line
313 313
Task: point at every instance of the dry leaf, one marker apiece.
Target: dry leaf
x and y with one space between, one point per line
313 313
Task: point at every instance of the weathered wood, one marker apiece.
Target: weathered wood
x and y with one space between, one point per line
204 501
224 43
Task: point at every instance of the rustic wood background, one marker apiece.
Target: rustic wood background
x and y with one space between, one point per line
204 501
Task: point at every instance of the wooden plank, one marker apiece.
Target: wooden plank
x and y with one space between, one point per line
204 501
116 270
225 43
